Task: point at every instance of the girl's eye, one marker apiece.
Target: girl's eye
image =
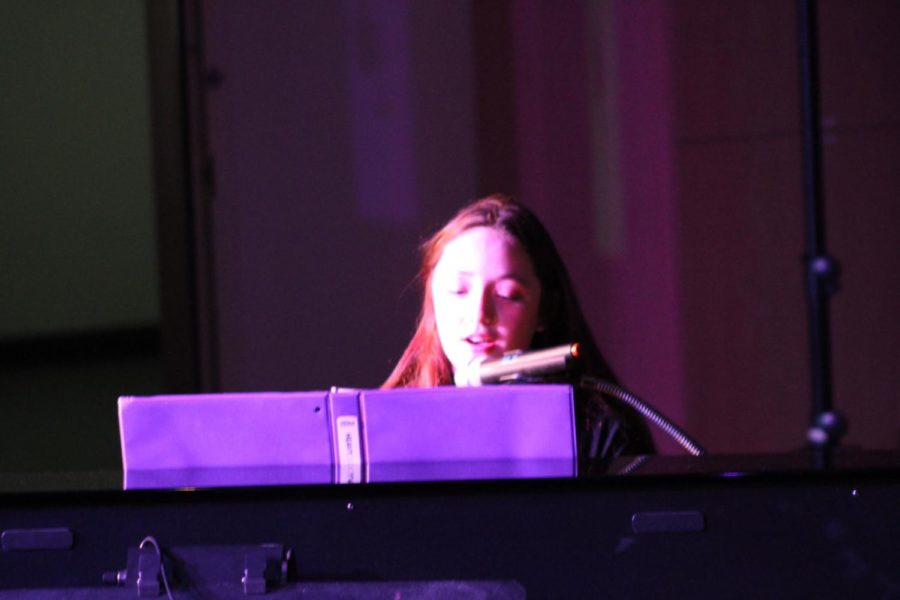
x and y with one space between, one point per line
513 295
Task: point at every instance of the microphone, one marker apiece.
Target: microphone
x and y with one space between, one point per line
516 365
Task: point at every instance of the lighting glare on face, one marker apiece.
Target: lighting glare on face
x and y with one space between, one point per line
486 296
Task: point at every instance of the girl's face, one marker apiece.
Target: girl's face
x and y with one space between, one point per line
486 296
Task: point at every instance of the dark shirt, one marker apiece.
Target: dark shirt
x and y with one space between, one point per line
606 428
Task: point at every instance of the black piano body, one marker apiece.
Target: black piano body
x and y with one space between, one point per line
673 527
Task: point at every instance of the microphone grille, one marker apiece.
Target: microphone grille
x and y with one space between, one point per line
470 375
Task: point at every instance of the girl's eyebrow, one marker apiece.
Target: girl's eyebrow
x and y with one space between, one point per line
513 275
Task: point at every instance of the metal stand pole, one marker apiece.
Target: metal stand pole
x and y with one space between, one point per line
822 271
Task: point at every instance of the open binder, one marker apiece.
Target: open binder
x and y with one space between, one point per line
347 436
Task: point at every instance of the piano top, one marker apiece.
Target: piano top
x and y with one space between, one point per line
801 464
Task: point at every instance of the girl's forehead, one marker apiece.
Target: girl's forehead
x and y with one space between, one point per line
485 252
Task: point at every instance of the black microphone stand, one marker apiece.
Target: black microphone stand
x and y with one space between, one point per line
822 271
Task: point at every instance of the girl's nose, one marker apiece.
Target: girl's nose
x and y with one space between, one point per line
487 311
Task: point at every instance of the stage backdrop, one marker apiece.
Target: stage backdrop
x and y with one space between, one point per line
660 141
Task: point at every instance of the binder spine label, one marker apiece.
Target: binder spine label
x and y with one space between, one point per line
349 451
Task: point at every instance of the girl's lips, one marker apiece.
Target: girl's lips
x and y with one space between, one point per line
480 338
483 346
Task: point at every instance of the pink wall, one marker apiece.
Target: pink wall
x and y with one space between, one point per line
742 222
658 140
615 229
318 213
696 290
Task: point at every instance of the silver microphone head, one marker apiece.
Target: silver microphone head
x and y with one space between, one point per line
470 375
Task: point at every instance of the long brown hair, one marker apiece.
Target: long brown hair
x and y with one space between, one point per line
423 363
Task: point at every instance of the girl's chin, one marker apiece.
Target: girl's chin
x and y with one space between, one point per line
467 359
486 352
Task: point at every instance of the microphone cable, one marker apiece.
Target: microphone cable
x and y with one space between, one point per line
648 412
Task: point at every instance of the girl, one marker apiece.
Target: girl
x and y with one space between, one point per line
493 283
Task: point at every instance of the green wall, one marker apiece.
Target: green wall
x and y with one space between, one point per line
77 224
76 196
